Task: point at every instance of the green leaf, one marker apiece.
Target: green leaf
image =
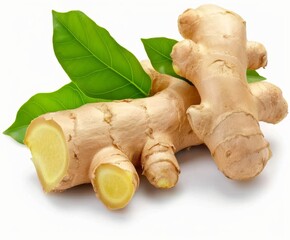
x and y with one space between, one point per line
159 50
95 61
253 76
67 97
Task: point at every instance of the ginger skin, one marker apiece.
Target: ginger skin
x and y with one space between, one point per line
101 143
214 56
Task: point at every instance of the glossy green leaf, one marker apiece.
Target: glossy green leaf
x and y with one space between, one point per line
67 97
254 76
94 61
159 50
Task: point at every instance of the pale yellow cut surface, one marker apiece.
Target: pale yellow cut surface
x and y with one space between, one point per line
49 153
114 185
163 183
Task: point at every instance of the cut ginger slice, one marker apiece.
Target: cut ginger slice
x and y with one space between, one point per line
114 185
49 153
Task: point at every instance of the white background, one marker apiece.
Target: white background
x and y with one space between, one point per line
204 204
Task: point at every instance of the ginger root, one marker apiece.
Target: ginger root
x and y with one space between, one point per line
102 143
214 56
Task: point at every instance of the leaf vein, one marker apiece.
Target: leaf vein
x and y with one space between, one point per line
75 58
160 53
89 74
112 90
106 64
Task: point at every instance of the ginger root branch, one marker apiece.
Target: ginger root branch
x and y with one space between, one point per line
215 59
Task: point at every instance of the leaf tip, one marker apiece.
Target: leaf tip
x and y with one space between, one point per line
54 17
54 13
5 132
15 136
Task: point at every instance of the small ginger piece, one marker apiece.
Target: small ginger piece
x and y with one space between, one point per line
215 56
